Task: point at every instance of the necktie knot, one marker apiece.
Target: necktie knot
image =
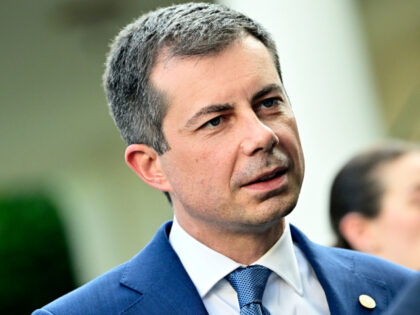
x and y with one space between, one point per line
249 283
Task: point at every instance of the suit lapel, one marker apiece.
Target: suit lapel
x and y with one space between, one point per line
340 280
164 286
158 275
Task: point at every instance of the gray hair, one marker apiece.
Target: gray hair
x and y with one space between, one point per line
192 29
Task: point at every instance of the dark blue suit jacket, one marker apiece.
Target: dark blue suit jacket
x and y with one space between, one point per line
408 301
155 282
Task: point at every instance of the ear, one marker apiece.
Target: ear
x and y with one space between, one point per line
145 162
360 232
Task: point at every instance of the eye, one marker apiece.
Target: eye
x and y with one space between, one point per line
270 102
213 122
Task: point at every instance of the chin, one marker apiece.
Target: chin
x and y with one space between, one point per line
269 215
280 205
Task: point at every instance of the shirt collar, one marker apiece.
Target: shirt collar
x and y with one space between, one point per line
206 267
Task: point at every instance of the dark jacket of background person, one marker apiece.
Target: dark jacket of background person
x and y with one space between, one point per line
408 301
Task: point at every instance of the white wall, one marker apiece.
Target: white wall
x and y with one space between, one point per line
327 76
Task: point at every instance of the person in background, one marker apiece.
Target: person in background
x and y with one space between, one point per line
375 203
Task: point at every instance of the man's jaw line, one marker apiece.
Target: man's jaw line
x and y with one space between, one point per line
244 244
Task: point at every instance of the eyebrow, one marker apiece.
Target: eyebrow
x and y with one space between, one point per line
266 90
218 108
210 109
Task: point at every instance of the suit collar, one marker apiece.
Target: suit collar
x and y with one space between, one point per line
165 287
337 272
280 259
157 273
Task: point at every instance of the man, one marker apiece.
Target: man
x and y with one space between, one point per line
196 92
375 203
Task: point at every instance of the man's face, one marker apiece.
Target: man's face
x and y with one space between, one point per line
235 161
398 223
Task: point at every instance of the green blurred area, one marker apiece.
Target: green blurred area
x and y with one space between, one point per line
35 264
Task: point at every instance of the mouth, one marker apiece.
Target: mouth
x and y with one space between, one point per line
269 180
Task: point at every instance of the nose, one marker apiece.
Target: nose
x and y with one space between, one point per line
257 137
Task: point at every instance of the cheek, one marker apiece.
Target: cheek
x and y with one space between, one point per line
411 227
401 223
210 165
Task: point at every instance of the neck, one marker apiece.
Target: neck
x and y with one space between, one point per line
243 246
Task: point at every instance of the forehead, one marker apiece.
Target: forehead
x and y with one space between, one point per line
402 173
240 69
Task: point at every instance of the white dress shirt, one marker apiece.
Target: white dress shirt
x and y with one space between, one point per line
292 287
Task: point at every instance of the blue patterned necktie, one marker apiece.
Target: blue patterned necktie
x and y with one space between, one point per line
250 283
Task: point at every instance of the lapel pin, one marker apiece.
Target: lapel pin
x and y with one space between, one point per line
367 301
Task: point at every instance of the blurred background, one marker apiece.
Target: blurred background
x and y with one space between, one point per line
71 209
